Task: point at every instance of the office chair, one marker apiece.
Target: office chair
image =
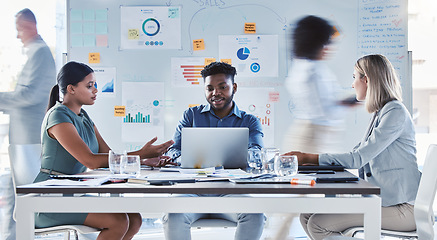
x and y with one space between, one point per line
24 168
66 230
423 212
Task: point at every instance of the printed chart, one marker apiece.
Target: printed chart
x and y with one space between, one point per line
150 27
105 80
252 55
186 71
256 101
144 111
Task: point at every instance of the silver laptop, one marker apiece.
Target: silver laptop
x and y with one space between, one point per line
214 147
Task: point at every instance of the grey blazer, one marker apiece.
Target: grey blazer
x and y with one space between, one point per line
27 104
386 157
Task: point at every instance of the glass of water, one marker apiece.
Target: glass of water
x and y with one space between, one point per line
114 160
130 165
286 165
268 161
254 160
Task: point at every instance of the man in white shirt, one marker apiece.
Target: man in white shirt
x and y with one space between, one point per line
26 106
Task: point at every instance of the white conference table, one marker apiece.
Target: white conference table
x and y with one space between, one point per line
358 197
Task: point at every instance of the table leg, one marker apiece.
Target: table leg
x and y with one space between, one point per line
25 218
372 220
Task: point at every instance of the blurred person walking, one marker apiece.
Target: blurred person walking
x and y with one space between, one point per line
26 107
314 90
318 112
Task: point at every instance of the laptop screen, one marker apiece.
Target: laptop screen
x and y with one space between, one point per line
214 147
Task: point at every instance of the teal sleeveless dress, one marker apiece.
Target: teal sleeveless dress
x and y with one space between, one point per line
56 159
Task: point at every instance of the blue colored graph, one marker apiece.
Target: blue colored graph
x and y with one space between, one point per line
138 118
108 87
243 53
151 27
254 67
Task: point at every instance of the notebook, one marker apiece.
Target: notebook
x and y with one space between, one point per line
214 147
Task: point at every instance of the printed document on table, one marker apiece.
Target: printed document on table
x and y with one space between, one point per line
68 182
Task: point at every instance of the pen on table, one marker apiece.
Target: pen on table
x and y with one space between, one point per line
296 181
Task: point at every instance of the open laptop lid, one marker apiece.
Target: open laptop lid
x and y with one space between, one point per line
213 147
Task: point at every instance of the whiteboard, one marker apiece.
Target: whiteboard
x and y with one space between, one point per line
98 28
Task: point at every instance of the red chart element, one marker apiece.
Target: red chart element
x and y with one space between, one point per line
191 73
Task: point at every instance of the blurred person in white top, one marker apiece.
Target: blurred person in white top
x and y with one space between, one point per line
26 107
318 111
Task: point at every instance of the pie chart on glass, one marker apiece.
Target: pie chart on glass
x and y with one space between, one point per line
151 27
243 53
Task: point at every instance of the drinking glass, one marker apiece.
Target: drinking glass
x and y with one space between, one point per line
114 162
268 160
254 160
286 165
130 165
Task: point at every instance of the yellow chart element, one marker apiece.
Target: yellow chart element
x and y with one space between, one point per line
94 57
198 44
119 111
250 28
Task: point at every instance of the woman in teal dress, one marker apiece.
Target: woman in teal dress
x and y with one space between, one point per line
71 143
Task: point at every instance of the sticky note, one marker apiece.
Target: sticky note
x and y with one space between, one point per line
198 44
88 15
119 111
274 96
76 41
102 40
336 32
94 57
173 12
226 60
89 40
101 14
250 28
101 28
76 27
209 60
88 27
133 34
76 15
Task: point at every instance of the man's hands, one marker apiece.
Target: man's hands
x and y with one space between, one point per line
158 161
150 151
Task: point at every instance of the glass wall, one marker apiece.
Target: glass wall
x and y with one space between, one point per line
422 35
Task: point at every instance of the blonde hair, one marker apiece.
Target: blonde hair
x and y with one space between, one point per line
383 84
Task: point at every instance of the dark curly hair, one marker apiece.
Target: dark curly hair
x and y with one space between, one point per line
310 36
217 68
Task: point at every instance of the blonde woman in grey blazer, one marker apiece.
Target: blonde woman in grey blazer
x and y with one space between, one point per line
386 156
